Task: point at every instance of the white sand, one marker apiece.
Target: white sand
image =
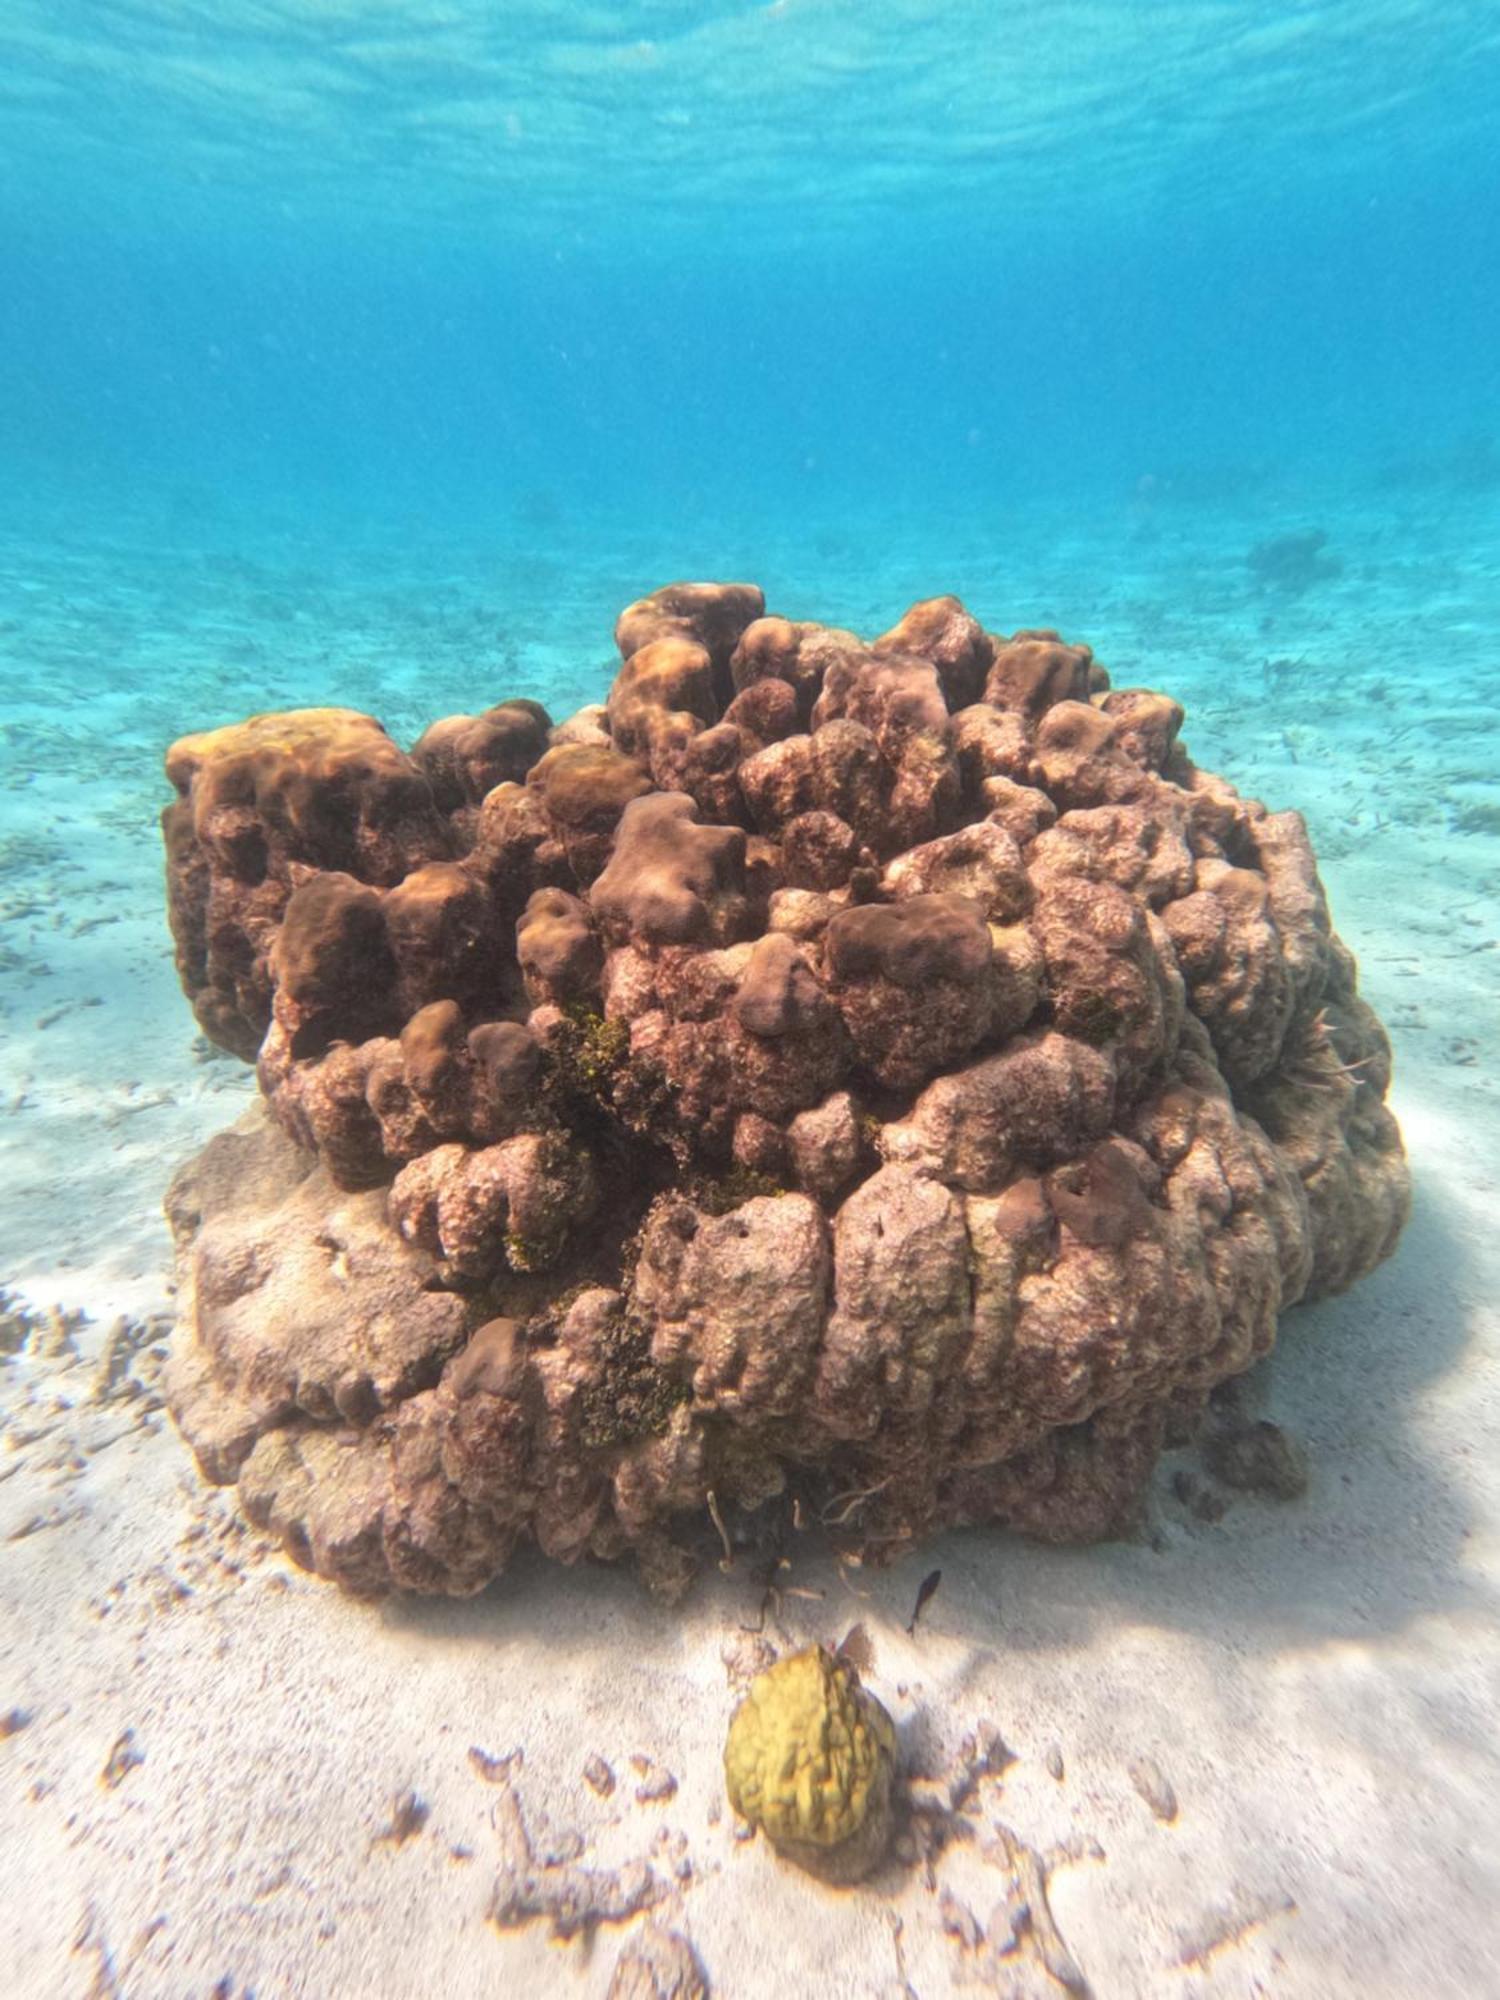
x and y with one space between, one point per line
1318 1681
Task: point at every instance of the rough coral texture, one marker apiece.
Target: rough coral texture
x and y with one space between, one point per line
886 1082
810 1760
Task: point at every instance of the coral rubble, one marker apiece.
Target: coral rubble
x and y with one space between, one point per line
886 1077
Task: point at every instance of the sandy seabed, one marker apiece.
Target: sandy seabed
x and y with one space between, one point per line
218 1776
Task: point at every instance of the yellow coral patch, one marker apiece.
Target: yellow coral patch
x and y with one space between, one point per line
809 1751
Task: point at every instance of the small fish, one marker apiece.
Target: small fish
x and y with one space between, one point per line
925 1592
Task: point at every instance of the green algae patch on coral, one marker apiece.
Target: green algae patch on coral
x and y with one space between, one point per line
632 1398
588 1053
733 1189
811 1761
534 1253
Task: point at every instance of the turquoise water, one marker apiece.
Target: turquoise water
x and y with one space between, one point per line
701 269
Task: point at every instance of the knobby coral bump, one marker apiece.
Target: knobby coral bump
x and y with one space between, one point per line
889 1077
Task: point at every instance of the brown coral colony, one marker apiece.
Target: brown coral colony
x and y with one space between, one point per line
830 1068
